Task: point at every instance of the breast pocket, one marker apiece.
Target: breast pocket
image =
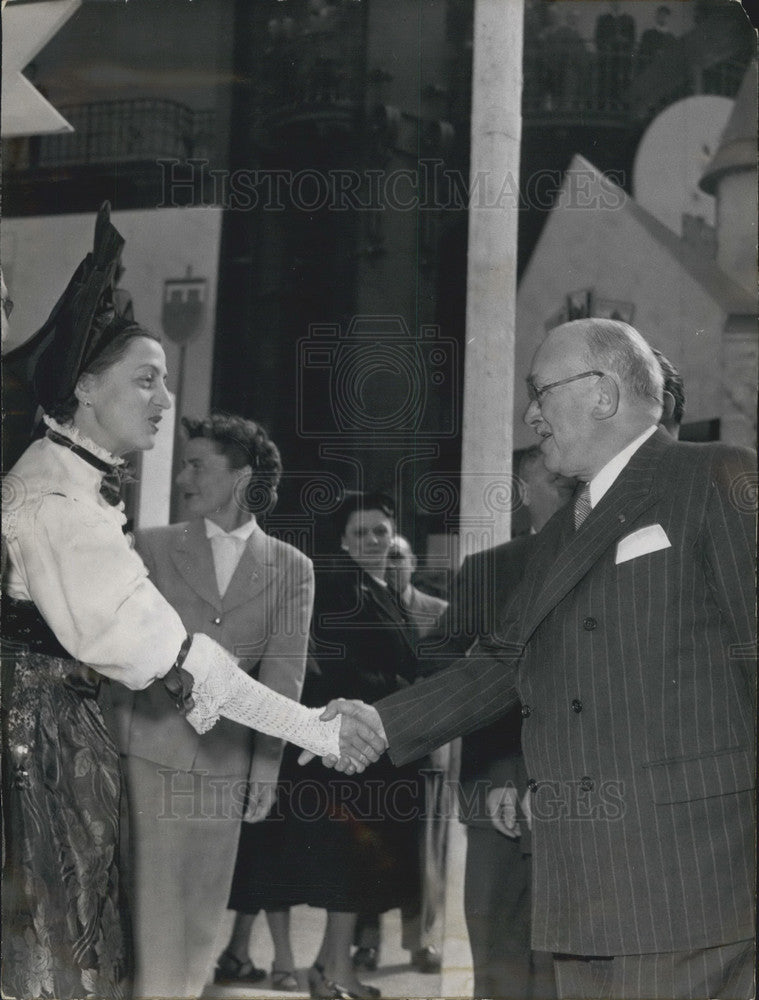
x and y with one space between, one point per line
686 779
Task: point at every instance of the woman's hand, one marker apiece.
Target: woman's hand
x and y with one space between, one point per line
362 736
261 797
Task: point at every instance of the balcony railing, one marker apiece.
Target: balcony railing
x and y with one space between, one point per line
569 82
560 85
120 132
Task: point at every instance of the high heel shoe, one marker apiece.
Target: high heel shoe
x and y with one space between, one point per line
284 979
316 981
230 971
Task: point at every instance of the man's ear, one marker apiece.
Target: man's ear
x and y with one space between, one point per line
669 408
607 398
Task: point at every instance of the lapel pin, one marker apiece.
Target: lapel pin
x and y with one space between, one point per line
621 518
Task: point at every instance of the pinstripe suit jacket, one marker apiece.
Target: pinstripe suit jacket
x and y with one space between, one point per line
641 685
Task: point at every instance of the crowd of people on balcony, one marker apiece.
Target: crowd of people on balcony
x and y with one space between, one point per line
565 70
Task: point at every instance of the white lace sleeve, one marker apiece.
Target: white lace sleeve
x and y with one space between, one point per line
221 688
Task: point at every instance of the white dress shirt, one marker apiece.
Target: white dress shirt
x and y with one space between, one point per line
602 482
227 548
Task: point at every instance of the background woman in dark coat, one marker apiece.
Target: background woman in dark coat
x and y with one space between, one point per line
361 849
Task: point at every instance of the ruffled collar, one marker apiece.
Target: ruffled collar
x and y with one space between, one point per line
76 437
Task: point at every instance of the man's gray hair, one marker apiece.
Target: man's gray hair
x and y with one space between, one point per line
618 348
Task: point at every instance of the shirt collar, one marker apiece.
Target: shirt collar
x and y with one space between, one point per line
602 482
243 532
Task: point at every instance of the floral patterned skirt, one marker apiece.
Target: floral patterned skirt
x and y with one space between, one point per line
64 930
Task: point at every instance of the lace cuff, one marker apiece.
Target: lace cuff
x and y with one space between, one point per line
226 690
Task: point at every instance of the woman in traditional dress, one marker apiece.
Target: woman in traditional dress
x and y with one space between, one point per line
77 603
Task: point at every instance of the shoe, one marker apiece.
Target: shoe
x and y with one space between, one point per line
316 980
230 970
334 991
365 958
426 960
284 979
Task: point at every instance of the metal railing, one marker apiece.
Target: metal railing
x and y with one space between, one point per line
126 131
569 81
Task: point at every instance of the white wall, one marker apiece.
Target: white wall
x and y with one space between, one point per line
607 249
40 254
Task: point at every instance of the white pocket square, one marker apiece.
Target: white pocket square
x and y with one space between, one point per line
649 539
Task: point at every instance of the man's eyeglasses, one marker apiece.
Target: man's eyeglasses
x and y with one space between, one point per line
536 392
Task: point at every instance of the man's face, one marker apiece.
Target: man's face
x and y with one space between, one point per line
561 417
400 565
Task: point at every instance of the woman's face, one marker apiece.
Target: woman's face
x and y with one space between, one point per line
127 400
367 538
209 487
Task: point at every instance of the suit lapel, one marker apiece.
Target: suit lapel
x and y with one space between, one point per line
255 571
565 556
193 560
387 608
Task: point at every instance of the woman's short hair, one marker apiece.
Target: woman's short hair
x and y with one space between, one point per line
243 442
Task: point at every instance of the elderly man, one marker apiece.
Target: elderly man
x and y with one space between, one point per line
631 642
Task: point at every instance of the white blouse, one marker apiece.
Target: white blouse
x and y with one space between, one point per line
68 554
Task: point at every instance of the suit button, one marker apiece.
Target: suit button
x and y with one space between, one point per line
576 705
589 624
216 621
532 785
526 711
586 784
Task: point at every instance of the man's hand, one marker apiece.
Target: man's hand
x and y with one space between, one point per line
362 736
527 808
261 797
502 809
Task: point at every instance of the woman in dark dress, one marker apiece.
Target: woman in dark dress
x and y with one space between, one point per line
77 603
359 834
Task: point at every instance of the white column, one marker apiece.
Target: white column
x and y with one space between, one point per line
486 488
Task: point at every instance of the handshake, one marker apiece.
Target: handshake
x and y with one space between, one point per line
362 736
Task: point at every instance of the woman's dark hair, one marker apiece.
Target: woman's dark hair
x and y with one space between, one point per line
243 442
113 352
352 502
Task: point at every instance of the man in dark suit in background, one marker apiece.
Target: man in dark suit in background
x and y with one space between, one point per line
631 642
498 861
421 926
674 395
421 610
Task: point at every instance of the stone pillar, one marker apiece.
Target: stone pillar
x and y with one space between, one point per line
487 492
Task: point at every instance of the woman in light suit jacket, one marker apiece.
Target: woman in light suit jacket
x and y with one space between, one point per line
254 594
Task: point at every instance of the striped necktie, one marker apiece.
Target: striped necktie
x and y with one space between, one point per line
582 505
